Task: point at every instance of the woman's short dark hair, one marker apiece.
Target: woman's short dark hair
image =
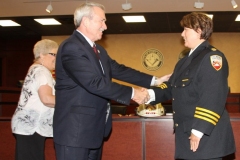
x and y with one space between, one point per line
197 20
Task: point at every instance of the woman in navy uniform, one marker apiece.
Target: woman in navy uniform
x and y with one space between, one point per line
198 89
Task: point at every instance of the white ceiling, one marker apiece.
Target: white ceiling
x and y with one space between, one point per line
162 16
15 8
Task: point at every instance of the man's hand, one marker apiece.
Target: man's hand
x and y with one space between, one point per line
141 95
194 142
162 79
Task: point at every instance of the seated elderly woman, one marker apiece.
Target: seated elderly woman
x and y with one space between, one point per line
32 120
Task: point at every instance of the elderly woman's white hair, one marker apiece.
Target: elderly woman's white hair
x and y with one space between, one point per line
85 10
43 47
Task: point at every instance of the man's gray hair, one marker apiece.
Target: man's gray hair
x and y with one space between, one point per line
85 10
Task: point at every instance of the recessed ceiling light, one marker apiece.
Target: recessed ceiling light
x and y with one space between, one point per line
130 19
238 18
48 21
7 23
210 16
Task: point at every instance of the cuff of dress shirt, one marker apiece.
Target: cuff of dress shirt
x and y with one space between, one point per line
197 133
132 92
153 81
152 96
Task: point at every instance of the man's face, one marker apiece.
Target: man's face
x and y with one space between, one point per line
96 24
191 37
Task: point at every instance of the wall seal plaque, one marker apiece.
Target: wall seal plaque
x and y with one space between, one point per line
152 59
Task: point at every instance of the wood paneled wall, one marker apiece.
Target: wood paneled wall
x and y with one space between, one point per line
132 138
16 56
16 53
9 98
129 48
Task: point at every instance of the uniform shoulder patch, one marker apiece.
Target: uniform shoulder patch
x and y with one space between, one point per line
216 62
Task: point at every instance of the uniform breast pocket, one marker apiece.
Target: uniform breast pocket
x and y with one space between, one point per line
83 110
185 82
185 91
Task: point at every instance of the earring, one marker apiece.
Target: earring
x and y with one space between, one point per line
42 61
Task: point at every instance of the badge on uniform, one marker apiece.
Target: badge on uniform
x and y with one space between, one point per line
216 62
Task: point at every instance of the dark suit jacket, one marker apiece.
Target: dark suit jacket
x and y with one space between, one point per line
198 89
83 92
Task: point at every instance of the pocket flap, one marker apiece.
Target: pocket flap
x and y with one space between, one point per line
83 110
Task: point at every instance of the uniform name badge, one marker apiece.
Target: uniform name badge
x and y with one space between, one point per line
216 62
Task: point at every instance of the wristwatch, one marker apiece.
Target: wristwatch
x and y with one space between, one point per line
155 81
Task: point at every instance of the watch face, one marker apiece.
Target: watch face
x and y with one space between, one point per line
152 59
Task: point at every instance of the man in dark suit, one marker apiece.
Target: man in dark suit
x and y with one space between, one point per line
198 88
84 86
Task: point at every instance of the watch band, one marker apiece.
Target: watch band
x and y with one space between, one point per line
155 81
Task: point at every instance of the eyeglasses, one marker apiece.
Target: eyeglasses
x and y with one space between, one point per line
53 54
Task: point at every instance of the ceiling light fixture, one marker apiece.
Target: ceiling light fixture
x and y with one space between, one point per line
49 8
132 19
199 5
234 4
48 21
126 6
237 18
210 16
8 23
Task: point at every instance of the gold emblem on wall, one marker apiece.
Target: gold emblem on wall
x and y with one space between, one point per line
152 59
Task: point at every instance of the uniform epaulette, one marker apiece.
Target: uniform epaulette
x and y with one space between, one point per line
213 49
206 115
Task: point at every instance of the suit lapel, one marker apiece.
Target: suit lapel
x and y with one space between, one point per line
187 60
90 52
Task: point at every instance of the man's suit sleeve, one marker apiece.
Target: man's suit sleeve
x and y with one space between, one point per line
126 74
84 70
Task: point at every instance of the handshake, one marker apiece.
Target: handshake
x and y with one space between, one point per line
142 95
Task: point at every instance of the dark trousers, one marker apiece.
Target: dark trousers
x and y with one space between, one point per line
29 147
77 153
